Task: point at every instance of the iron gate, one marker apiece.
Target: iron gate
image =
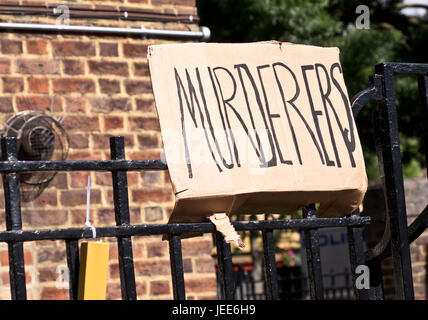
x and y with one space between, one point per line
395 241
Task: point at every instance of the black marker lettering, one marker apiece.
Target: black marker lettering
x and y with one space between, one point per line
193 98
226 102
315 113
271 116
180 87
222 121
272 161
349 141
291 103
325 100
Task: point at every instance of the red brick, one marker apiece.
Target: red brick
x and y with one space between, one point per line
113 122
102 141
79 179
144 123
113 291
109 197
138 249
159 195
78 216
75 104
103 178
28 2
133 178
28 257
153 214
134 87
43 217
105 216
83 123
107 105
47 198
81 154
144 155
135 50
37 66
73 48
11 46
38 85
80 5
4 258
147 140
84 155
167 178
205 265
201 285
40 103
113 253
6 104
4 66
196 248
37 46
145 105
109 86
60 181
152 268
66 85
141 69
106 7
71 198
156 249
114 271
193 11
79 141
6 278
159 287
188 3
108 67
52 293
108 49
13 84
48 274
135 215
73 67
151 178
187 265
141 288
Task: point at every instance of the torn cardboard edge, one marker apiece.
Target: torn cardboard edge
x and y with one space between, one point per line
281 202
223 225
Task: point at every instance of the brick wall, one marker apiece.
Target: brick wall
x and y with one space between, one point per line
101 84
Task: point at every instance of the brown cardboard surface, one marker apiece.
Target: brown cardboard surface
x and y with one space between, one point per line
256 128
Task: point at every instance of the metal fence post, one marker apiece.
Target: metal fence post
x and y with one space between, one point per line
121 210
9 147
313 256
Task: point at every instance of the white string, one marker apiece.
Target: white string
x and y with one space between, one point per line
88 204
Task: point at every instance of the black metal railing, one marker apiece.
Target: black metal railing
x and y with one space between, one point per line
397 235
15 236
292 284
396 239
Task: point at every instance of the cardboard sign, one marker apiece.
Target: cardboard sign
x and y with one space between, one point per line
256 128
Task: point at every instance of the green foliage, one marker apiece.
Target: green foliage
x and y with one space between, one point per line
392 36
255 20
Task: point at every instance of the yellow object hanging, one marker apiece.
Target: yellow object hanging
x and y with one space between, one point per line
93 271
